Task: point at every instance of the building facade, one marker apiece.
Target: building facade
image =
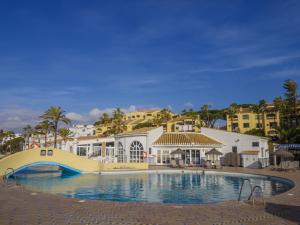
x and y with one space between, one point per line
183 124
245 146
194 147
245 120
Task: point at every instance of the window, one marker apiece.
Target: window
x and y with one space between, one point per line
271 116
121 153
158 156
273 125
82 150
258 125
258 117
245 117
235 126
50 153
150 151
136 152
246 125
234 149
165 157
43 153
255 144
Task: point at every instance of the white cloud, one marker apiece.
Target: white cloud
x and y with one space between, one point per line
75 116
283 74
188 105
15 118
249 63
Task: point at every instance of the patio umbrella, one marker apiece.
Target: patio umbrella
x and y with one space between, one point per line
177 152
213 152
283 154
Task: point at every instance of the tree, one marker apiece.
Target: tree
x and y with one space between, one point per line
118 124
288 135
256 132
44 128
55 115
231 112
14 145
209 116
104 119
28 131
142 125
64 133
291 98
162 117
262 106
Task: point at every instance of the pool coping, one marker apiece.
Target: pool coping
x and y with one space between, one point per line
251 172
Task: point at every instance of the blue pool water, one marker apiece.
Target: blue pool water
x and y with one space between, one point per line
161 186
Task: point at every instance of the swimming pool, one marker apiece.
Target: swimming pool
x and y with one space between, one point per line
180 187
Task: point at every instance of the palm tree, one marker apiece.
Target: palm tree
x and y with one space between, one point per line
262 106
55 115
291 96
44 128
64 133
28 131
205 115
231 112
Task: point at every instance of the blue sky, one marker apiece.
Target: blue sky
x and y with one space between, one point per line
91 56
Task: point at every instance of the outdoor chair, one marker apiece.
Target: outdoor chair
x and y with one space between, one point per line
173 163
296 164
180 163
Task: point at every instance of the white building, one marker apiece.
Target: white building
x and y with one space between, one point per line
83 130
194 147
154 146
136 145
253 150
94 147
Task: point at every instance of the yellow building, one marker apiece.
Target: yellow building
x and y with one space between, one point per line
245 120
184 124
132 119
142 114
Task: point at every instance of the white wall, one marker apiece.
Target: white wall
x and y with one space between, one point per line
243 142
145 139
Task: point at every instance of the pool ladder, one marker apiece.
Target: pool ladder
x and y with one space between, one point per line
253 189
9 172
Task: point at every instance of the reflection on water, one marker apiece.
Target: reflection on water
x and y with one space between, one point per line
186 188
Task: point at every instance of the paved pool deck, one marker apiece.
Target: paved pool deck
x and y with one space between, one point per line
21 206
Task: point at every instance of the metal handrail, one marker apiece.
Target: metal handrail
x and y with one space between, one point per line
5 176
9 172
240 194
262 194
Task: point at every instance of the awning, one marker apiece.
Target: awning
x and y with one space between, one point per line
213 152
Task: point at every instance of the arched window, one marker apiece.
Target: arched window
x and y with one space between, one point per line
136 152
121 153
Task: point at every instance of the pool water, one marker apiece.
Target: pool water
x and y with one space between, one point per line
157 186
